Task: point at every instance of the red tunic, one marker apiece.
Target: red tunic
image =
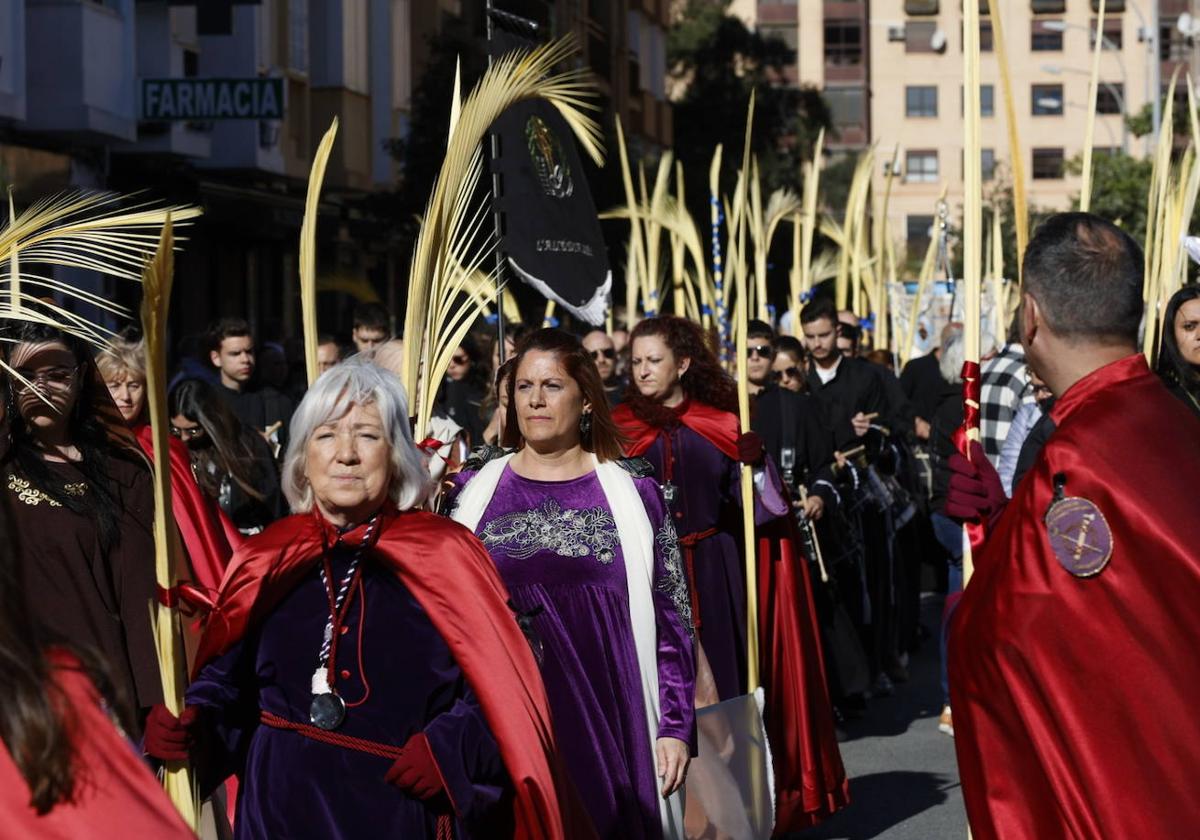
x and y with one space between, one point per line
1075 697
116 796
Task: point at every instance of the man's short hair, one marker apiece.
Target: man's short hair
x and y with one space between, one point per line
325 338
227 327
818 309
1086 275
760 329
372 316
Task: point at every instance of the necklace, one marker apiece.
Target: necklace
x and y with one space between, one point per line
328 709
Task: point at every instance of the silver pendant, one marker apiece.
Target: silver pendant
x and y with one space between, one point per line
327 711
669 492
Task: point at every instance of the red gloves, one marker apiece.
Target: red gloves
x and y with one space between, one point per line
168 737
415 771
750 448
975 491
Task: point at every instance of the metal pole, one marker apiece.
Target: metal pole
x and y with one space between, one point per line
497 223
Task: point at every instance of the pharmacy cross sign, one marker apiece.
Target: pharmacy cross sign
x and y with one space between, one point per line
214 17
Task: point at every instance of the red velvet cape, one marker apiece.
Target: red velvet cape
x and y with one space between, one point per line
116 796
1075 698
452 576
810 781
720 428
197 517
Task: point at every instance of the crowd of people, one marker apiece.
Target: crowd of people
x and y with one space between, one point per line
511 623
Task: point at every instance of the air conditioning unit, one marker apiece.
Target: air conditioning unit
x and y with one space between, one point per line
896 32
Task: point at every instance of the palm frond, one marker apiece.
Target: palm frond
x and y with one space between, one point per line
92 231
308 250
454 242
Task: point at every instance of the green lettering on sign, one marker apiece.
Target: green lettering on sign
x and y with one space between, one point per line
212 99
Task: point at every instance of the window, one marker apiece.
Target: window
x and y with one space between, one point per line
918 231
1047 100
985 36
1173 45
1048 7
921 166
1045 40
843 42
920 101
1109 98
787 32
920 7
987 101
987 164
918 36
298 35
1109 7
1047 164
1112 33
355 48
847 106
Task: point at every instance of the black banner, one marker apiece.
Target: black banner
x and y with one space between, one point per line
552 237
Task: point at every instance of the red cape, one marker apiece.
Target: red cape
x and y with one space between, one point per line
116 795
720 428
810 781
197 517
1075 697
455 581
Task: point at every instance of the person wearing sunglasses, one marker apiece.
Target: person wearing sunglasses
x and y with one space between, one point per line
603 350
232 464
464 390
789 369
760 354
76 480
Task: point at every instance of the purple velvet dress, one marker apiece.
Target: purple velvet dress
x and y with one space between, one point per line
397 677
556 546
708 509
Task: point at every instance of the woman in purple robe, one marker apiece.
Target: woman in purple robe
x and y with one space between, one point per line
679 414
588 551
361 671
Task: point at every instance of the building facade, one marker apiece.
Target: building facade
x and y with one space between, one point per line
223 102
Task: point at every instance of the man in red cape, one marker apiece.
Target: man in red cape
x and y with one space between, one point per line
456 584
1072 669
810 781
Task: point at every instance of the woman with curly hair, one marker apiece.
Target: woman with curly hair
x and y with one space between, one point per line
680 414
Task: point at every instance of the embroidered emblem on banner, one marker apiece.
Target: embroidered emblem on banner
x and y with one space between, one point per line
1079 535
549 159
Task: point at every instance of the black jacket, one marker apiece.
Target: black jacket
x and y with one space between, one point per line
856 388
786 420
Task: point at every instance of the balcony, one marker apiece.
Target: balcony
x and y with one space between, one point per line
80 69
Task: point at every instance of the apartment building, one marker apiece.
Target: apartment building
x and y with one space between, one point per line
917 94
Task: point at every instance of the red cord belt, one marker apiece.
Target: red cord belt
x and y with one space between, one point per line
444 825
688 543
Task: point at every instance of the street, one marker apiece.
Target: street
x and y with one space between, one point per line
903 774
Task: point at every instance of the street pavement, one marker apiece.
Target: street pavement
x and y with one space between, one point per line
903 776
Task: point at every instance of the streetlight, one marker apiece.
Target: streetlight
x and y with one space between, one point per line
1057 70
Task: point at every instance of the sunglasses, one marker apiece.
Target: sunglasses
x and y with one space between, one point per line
763 351
187 434
607 353
791 373
460 360
58 379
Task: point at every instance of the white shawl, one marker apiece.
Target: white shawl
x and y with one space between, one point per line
637 545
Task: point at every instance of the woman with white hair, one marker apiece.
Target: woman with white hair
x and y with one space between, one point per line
362 672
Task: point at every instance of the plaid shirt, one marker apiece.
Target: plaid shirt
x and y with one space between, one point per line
1004 389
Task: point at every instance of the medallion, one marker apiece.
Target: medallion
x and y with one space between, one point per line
669 490
1079 536
327 711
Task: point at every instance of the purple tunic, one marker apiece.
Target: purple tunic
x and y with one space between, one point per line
397 677
556 546
708 498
